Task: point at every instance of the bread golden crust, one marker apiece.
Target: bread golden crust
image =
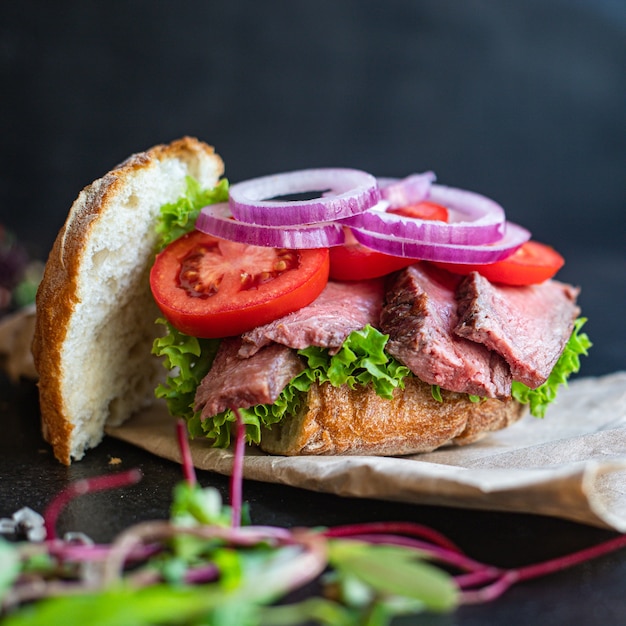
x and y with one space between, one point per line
344 421
60 296
56 301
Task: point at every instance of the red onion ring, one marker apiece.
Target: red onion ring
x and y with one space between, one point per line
474 220
409 190
352 192
514 237
216 220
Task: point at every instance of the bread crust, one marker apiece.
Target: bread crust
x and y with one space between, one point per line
345 421
57 297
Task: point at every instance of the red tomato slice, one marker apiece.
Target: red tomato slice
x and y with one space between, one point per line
424 210
210 287
352 261
531 264
356 262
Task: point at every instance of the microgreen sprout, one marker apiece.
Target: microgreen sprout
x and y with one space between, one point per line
189 471
80 487
205 565
236 482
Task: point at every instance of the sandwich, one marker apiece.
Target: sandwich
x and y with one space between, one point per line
378 317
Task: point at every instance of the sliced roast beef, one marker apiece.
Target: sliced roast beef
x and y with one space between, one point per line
236 382
528 326
340 309
420 317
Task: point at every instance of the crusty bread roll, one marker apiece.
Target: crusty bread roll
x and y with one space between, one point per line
95 313
341 420
95 327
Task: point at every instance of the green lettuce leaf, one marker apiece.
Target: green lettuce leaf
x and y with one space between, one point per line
361 361
187 359
569 363
178 218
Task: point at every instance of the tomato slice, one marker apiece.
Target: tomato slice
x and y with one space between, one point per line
210 287
424 210
353 261
531 264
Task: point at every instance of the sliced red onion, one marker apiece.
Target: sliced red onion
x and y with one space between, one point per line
352 192
216 220
409 190
473 219
514 237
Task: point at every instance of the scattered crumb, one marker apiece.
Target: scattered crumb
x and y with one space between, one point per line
114 460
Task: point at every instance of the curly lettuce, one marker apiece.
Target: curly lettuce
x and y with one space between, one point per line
361 361
540 398
188 360
178 218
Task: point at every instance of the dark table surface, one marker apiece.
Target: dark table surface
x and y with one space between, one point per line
522 101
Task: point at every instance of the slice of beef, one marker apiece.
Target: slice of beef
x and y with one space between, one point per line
420 316
236 382
528 326
340 309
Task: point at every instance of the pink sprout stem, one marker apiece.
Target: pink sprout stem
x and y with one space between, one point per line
398 528
236 478
81 487
512 576
482 576
100 552
569 560
189 471
443 555
203 574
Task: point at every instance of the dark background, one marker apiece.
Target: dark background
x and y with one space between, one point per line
524 101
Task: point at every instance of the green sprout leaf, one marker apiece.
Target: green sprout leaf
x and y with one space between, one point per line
393 572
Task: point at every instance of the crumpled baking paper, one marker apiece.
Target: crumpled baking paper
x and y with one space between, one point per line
570 464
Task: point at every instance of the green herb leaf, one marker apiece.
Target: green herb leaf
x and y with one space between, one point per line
149 606
319 610
194 504
393 572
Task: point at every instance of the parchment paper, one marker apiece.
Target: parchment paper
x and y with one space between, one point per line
571 464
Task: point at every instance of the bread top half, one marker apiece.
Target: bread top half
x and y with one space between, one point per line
95 320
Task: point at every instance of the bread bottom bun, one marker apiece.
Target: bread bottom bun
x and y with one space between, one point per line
96 316
345 421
